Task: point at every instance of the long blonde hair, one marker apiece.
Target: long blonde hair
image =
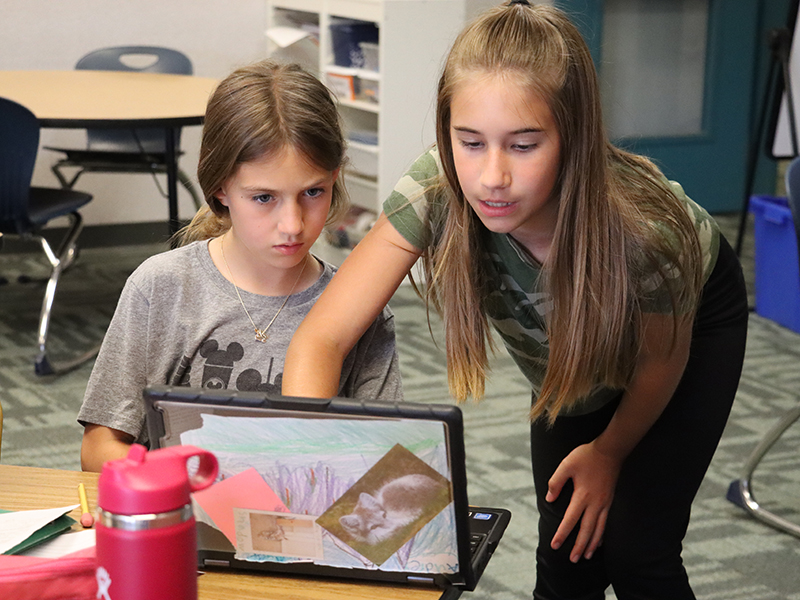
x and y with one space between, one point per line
609 202
258 111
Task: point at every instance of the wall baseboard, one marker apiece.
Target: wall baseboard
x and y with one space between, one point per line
97 236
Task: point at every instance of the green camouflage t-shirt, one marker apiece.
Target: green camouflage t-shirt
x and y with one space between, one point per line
517 306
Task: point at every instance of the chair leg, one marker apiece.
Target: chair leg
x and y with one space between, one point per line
740 491
187 183
65 183
66 254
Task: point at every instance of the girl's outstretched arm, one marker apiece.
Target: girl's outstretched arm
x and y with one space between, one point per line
594 467
353 299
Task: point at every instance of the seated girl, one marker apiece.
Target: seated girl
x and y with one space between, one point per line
219 311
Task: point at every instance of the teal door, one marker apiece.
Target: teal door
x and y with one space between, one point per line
681 82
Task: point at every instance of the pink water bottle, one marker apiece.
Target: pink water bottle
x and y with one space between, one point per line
146 540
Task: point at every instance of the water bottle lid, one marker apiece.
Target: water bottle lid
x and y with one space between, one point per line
153 482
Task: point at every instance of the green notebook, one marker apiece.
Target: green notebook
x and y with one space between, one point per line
49 531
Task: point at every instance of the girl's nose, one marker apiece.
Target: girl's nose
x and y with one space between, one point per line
495 173
290 219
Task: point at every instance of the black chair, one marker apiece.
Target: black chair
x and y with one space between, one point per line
741 490
25 210
125 150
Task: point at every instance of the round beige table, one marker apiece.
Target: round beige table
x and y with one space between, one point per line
115 99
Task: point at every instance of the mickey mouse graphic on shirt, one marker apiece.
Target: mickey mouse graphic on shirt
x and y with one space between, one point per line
249 380
219 367
219 363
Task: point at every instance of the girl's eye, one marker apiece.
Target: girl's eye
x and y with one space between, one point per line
314 192
524 147
263 198
470 144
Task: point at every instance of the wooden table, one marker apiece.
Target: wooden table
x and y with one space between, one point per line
24 488
115 99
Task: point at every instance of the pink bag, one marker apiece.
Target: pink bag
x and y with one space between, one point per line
71 577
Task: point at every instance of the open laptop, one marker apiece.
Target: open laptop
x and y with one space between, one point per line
336 487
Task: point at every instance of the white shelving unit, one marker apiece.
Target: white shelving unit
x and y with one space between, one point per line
414 37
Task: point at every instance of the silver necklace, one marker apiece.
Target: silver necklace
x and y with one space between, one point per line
261 334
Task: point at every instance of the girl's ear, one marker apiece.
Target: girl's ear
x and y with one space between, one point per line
222 197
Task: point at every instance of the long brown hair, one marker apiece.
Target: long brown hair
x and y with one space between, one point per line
258 111
609 204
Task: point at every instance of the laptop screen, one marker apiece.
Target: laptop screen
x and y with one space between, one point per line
335 484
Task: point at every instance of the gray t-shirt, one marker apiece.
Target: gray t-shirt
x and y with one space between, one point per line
179 322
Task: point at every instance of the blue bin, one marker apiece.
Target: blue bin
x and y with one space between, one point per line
777 271
346 37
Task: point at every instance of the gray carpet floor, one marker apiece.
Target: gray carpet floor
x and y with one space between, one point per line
728 554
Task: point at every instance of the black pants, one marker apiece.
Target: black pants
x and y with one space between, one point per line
641 551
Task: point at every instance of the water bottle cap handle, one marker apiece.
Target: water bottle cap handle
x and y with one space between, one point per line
206 470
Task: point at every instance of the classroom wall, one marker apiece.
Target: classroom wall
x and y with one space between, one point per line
217 35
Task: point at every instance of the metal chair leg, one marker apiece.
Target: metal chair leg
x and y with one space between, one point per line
740 491
66 254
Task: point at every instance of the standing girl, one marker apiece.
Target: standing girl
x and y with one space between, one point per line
219 312
615 293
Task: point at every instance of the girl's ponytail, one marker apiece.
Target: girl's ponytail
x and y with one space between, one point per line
203 226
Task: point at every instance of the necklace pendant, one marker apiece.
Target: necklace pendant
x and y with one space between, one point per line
261 335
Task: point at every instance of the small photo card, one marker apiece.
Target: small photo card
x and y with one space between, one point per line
261 534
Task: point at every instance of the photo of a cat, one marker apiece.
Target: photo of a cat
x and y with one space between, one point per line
396 504
396 498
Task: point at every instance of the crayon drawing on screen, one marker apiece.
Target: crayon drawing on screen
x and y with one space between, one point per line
363 493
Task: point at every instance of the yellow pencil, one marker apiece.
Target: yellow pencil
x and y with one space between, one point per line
87 520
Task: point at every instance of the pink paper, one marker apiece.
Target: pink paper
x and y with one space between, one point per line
245 490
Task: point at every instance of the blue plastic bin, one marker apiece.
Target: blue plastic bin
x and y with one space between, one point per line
346 37
777 271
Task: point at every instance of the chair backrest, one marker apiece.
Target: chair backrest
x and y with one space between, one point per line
147 59
19 144
793 193
154 60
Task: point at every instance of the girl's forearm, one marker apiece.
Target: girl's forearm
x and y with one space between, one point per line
353 299
101 444
312 368
657 376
